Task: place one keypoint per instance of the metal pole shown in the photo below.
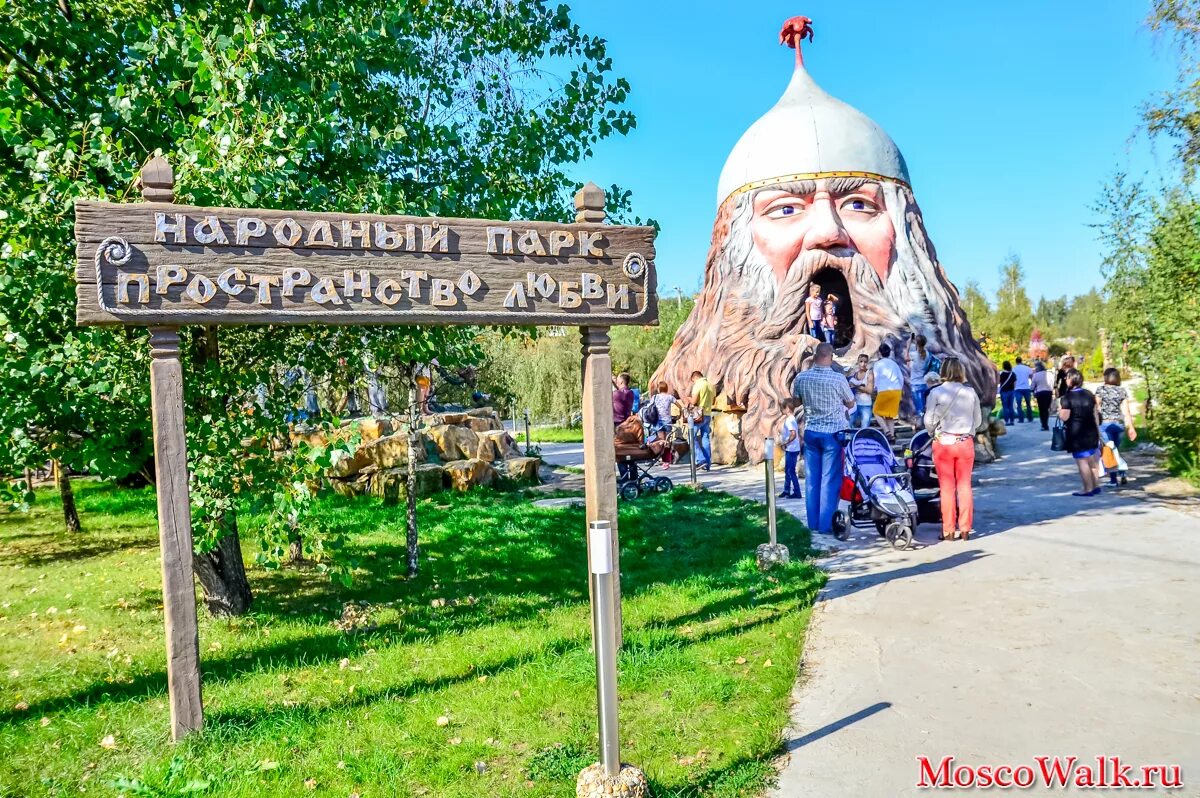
(604, 614)
(692, 449)
(527, 429)
(769, 462)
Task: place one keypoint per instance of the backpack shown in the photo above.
(650, 414)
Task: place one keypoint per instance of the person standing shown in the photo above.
(814, 312)
(889, 385)
(829, 321)
(952, 417)
(1079, 410)
(1116, 419)
(789, 439)
(1065, 364)
(622, 399)
(1043, 392)
(862, 383)
(920, 362)
(826, 397)
(1008, 390)
(700, 405)
(665, 406)
(1024, 377)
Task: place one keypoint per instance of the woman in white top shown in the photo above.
(1043, 391)
(952, 415)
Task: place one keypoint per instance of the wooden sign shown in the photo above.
(154, 263)
(163, 265)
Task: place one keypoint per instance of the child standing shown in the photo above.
(814, 312)
(829, 324)
(789, 439)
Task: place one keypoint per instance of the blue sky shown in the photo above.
(1011, 117)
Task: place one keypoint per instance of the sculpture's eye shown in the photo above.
(860, 205)
(784, 211)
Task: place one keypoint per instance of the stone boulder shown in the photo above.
(387, 452)
(466, 474)
(431, 478)
(523, 469)
(371, 429)
(454, 443)
(495, 445)
(484, 424)
(391, 484)
(727, 446)
(446, 418)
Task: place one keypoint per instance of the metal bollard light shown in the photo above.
(527, 439)
(604, 614)
(769, 462)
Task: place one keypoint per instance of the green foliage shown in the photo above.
(1153, 271)
(1152, 265)
(493, 634)
(1012, 320)
(1176, 113)
(542, 372)
(640, 350)
(449, 107)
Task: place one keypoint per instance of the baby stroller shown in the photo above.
(919, 459)
(635, 458)
(876, 489)
(636, 479)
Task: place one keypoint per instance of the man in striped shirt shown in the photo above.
(826, 397)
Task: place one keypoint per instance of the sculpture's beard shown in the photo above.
(747, 331)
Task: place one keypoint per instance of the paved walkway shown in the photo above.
(1065, 626)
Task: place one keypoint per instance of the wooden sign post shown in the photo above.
(161, 265)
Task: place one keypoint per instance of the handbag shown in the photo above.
(1058, 437)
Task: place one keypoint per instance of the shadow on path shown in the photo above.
(837, 725)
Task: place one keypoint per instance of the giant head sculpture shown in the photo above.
(814, 193)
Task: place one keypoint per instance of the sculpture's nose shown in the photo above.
(825, 229)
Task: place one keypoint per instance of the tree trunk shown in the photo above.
(223, 578)
(70, 513)
(221, 572)
(410, 497)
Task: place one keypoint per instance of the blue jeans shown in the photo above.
(861, 416)
(829, 333)
(1113, 431)
(822, 480)
(815, 330)
(791, 480)
(1006, 401)
(1025, 396)
(703, 438)
(920, 391)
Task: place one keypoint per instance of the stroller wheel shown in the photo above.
(663, 484)
(899, 535)
(630, 490)
(881, 526)
(841, 527)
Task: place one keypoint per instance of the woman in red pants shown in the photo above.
(952, 415)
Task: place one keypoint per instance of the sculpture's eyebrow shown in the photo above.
(801, 188)
(844, 185)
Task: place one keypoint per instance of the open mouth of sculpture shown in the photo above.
(833, 281)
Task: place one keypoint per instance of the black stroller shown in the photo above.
(919, 459)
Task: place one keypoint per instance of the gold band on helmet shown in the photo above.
(795, 178)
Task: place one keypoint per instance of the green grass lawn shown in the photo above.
(493, 636)
(552, 435)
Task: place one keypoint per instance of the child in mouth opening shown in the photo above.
(829, 326)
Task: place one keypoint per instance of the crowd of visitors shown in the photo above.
(826, 401)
